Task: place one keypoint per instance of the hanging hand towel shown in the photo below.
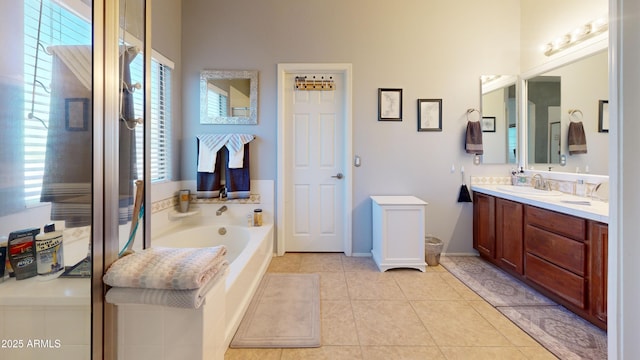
(208, 183)
(235, 145)
(237, 179)
(473, 139)
(577, 138)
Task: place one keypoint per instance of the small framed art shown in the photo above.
(603, 116)
(76, 114)
(389, 104)
(488, 124)
(429, 114)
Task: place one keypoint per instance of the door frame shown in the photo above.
(284, 145)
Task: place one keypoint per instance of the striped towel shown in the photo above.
(210, 144)
(186, 299)
(167, 268)
(236, 149)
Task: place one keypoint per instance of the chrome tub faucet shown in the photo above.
(221, 210)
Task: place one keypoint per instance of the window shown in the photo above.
(160, 117)
(216, 101)
(59, 27)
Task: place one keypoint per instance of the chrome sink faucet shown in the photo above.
(539, 182)
(221, 210)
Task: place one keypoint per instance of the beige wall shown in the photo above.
(545, 20)
(166, 34)
(435, 49)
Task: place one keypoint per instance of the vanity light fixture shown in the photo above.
(577, 36)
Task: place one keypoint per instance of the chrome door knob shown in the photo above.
(338, 176)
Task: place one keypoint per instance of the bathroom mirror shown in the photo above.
(228, 97)
(499, 112)
(580, 85)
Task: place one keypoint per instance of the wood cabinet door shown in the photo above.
(484, 224)
(599, 238)
(509, 235)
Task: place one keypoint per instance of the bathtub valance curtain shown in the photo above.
(233, 150)
(68, 160)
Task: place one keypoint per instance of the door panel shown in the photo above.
(316, 121)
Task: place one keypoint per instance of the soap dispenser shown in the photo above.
(580, 188)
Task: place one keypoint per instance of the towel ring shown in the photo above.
(471, 111)
(573, 115)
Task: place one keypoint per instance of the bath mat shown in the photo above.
(560, 331)
(284, 313)
(492, 284)
(563, 333)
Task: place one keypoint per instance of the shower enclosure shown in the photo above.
(74, 109)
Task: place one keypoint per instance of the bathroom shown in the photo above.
(433, 50)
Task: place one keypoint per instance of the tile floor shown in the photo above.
(399, 314)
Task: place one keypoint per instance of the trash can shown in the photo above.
(432, 250)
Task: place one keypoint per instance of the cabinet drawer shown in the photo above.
(564, 252)
(567, 225)
(563, 283)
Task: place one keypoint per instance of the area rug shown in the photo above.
(284, 313)
(560, 331)
(492, 284)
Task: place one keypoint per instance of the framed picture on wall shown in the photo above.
(389, 104)
(488, 124)
(603, 116)
(429, 114)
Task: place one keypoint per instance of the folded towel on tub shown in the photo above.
(167, 268)
(187, 299)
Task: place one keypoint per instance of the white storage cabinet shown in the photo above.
(398, 232)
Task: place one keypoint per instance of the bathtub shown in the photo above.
(249, 252)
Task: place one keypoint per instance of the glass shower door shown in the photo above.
(46, 177)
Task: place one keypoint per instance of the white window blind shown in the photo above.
(160, 117)
(59, 27)
(216, 101)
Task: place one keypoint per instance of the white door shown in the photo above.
(315, 167)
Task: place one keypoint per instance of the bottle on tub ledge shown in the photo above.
(49, 253)
(257, 217)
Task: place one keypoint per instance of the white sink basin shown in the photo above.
(527, 190)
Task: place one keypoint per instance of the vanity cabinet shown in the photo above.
(561, 255)
(598, 236)
(497, 229)
(555, 253)
(484, 225)
(509, 236)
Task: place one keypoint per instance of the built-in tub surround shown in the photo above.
(203, 333)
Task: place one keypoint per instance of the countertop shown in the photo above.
(397, 200)
(595, 210)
